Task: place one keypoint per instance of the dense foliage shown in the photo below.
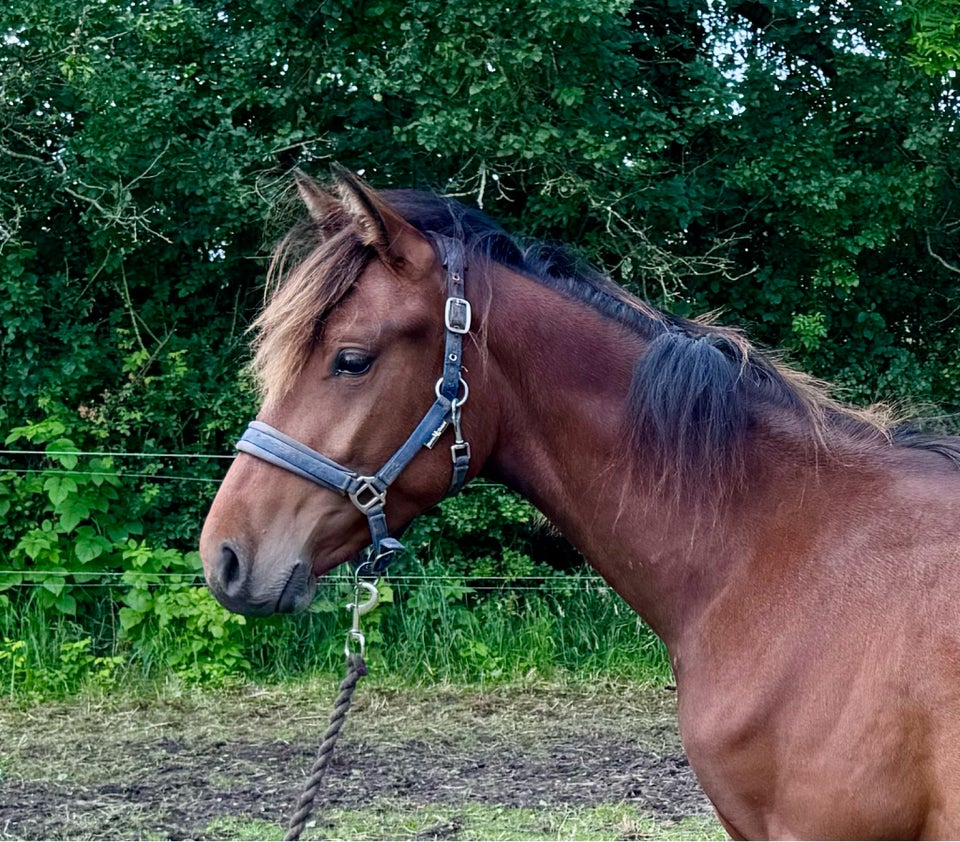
(793, 164)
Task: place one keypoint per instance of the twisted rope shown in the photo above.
(356, 669)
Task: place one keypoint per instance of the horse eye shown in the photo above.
(353, 362)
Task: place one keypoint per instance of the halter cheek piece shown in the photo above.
(369, 493)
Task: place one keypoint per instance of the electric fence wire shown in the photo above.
(485, 583)
(105, 454)
(40, 577)
(477, 483)
(116, 474)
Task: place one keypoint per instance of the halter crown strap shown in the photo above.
(369, 493)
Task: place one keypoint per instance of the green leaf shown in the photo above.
(72, 513)
(62, 448)
(129, 618)
(89, 548)
(66, 603)
(59, 488)
(41, 432)
(38, 545)
(53, 584)
(138, 600)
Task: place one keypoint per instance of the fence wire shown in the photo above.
(122, 474)
(111, 579)
(105, 454)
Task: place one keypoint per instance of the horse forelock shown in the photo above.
(308, 276)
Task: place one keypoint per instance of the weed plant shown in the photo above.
(424, 631)
(93, 592)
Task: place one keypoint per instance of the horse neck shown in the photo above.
(562, 374)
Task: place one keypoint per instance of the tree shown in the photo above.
(787, 162)
(840, 167)
(936, 34)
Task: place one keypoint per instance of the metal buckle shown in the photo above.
(377, 496)
(379, 557)
(458, 449)
(458, 315)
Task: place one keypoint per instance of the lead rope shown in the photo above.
(356, 669)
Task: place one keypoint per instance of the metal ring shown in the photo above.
(457, 400)
(359, 573)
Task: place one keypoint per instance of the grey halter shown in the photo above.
(369, 493)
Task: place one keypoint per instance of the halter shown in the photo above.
(369, 493)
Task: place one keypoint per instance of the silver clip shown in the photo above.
(455, 406)
(460, 447)
(355, 637)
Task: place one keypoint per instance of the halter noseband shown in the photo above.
(369, 493)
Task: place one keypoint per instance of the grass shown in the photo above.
(576, 625)
(535, 760)
(435, 631)
(399, 820)
(152, 743)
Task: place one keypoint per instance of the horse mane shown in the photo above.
(909, 434)
(697, 392)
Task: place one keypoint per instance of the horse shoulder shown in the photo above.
(851, 674)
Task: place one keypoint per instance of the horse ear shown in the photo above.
(325, 210)
(398, 243)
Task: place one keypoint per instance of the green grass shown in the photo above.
(424, 632)
(214, 762)
(399, 820)
(574, 625)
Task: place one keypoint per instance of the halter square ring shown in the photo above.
(368, 486)
(458, 315)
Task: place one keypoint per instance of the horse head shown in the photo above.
(359, 360)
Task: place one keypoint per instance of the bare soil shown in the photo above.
(167, 768)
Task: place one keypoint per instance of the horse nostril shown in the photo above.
(231, 571)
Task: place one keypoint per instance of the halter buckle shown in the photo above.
(458, 315)
(368, 486)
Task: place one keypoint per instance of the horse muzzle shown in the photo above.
(261, 590)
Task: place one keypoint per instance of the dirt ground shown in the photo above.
(171, 767)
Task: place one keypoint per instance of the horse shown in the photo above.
(799, 558)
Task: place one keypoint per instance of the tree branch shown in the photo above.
(949, 266)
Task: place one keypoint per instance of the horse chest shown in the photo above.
(779, 761)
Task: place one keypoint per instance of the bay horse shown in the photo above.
(800, 559)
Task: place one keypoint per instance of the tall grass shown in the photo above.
(574, 625)
(426, 630)
(43, 654)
